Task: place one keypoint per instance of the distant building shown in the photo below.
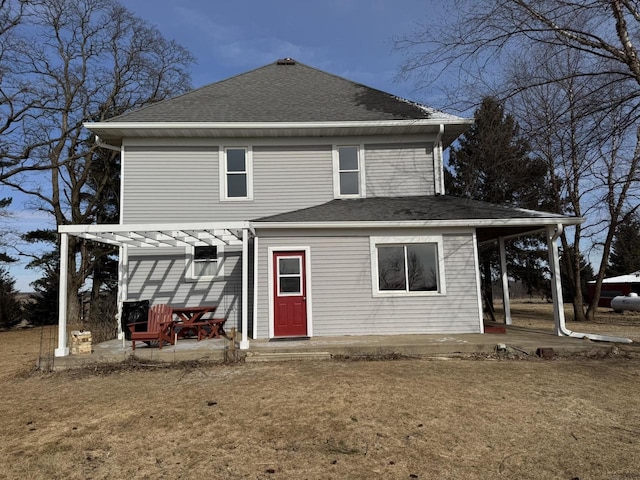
(614, 286)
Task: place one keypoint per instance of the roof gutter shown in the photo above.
(105, 126)
(466, 223)
(101, 144)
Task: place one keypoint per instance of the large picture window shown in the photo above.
(348, 171)
(413, 266)
(236, 174)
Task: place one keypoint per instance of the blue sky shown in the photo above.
(350, 38)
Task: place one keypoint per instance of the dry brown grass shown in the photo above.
(566, 419)
(539, 316)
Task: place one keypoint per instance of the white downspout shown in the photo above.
(556, 291)
(438, 163)
(63, 349)
(506, 302)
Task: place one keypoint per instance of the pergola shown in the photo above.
(152, 236)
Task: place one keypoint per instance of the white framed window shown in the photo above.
(407, 266)
(348, 171)
(236, 173)
(204, 262)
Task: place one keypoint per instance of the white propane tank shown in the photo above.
(630, 302)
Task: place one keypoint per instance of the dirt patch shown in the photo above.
(407, 418)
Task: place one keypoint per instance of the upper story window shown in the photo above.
(204, 262)
(407, 266)
(236, 173)
(348, 171)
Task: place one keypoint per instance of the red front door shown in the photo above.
(290, 302)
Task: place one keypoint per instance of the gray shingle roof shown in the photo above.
(284, 92)
(431, 207)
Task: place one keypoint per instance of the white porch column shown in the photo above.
(505, 282)
(244, 343)
(63, 349)
(123, 284)
(556, 283)
(255, 287)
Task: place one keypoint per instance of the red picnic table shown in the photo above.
(191, 322)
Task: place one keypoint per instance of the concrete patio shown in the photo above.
(516, 339)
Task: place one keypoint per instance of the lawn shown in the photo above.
(446, 419)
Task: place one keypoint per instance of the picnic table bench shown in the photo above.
(191, 322)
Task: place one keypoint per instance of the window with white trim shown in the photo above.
(348, 171)
(407, 266)
(204, 262)
(236, 175)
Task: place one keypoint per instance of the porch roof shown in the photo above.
(162, 235)
(490, 220)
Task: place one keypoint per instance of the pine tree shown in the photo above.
(625, 251)
(10, 308)
(493, 163)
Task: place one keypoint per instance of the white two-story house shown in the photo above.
(301, 204)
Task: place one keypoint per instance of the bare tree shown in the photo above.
(82, 60)
(573, 68)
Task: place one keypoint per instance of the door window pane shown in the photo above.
(289, 266)
(290, 285)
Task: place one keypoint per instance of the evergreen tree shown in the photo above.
(10, 308)
(44, 309)
(493, 163)
(625, 251)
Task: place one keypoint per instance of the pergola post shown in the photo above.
(244, 343)
(63, 349)
(123, 284)
(556, 280)
(505, 282)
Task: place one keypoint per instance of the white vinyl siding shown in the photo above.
(159, 275)
(399, 170)
(169, 184)
(343, 303)
(181, 184)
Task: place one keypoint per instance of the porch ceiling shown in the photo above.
(162, 235)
